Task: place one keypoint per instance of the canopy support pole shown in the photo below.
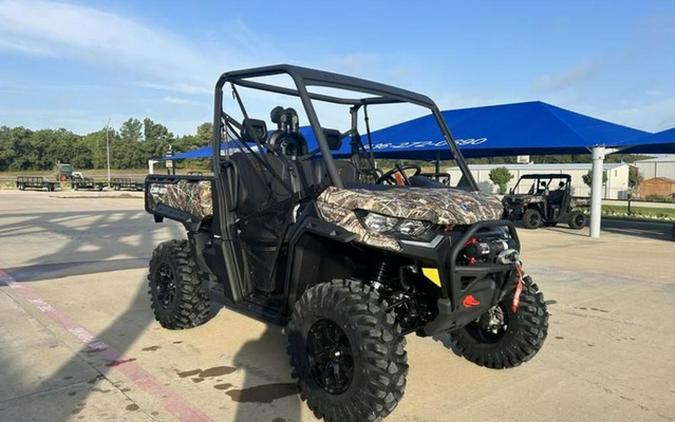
(151, 166)
(599, 152)
(596, 190)
(438, 162)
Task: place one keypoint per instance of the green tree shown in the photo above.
(501, 176)
(155, 131)
(588, 178)
(204, 132)
(634, 178)
(132, 130)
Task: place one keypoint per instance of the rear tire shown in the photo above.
(531, 218)
(177, 296)
(347, 352)
(522, 338)
(577, 220)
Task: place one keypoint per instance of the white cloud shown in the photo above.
(565, 79)
(83, 33)
(175, 87)
(651, 116)
(182, 101)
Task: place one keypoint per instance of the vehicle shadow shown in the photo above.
(96, 242)
(645, 229)
(566, 230)
(268, 392)
(100, 242)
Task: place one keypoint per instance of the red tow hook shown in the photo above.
(519, 288)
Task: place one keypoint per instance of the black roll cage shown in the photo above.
(549, 176)
(303, 77)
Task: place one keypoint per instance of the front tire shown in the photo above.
(516, 342)
(347, 352)
(577, 220)
(531, 218)
(177, 296)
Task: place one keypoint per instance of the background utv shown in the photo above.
(334, 249)
(547, 201)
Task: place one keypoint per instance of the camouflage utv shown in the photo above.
(297, 227)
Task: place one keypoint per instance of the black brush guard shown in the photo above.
(484, 286)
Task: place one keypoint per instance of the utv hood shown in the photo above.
(440, 206)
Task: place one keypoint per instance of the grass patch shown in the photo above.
(664, 214)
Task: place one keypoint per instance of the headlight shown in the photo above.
(378, 223)
(412, 228)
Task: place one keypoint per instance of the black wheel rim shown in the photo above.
(491, 327)
(166, 286)
(580, 220)
(534, 220)
(330, 356)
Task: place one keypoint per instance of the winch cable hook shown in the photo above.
(519, 287)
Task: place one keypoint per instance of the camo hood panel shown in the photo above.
(438, 206)
(194, 197)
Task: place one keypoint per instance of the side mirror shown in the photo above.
(334, 138)
(253, 130)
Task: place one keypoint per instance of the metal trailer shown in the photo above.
(87, 183)
(126, 183)
(35, 182)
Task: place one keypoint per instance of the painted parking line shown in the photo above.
(172, 402)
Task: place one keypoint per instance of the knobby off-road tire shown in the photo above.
(524, 336)
(577, 221)
(177, 297)
(357, 321)
(531, 218)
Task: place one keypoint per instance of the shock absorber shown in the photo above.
(384, 274)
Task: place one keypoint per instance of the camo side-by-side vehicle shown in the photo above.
(293, 230)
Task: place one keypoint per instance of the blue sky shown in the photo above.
(78, 64)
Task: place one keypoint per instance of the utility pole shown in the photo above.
(107, 147)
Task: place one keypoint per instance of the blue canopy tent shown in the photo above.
(530, 128)
(203, 152)
(658, 143)
(207, 151)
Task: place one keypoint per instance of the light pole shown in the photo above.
(107, 147)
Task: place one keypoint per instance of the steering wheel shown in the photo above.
(389, 176)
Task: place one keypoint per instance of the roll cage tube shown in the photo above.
(383, 94)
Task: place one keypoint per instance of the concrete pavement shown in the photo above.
(78, 340)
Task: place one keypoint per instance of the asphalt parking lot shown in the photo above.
(78, 340)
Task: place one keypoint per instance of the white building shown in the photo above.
(663, 166)
(615, 188)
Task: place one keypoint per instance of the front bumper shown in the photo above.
(513, 210)
(483, 282)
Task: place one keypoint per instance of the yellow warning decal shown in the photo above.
(432, 274)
